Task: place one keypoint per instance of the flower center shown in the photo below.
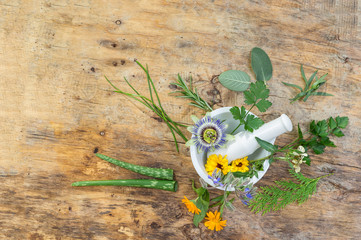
(209, 135)
(219, 166)
(239, 164)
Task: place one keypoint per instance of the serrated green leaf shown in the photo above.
(263, 105)
(293, 85)
(318, 148)
(266, 145)
(342, 122)
(250, 98)
(332, 123)
(235, 80)
(252, 123)
(260, 90)
(261, 64)
(236, 113)
(327, 142)
(338, 133)
(322, 128)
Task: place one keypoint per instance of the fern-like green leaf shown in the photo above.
(277, 197)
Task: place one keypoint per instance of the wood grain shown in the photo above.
(57, 110)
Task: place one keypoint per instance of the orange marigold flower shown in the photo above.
(191, 206)
(214, 221)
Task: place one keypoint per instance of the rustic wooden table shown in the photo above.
(57, 110)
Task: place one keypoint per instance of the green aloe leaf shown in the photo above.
(261, 64)
(235, 80)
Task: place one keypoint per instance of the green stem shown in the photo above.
(147, 171)
(261, 159)
(143, 183)
(241, 123)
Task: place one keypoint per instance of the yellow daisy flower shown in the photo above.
(191, 206)
(217, 162)
(214, 221)
(240, 165)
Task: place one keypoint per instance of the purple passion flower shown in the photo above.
(208, 133)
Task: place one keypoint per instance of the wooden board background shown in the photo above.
(57, 109)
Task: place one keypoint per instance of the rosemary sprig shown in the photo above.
(189, 93)
(152, 105)
(309, 89)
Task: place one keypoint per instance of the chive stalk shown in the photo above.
(159, 173)
(143, 183)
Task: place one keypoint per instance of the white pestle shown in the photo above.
(245, 142)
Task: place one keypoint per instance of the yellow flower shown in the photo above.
(217, 162)
(240, 165)
(214, 221)
(191, 206)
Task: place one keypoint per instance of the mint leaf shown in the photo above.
(263, 105)
(252, 123)
(342, 122)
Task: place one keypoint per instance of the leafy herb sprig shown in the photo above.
(155, 106)
(255, 96)
(320, 132)
(277, 197)
(190, 93)
(310, 88)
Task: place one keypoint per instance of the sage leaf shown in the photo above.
(261, 64)
(235, 80)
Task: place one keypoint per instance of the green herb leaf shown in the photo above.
(338, 133)
(293, 85)
(342, 122)
(263, 105)
(332, 123)
(300, 135)
(274, 198)
(261, 64)
(252, 123)
(235, 80)
(305, 93)
(266, 145)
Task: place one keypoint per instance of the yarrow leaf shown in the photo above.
(274, 198)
